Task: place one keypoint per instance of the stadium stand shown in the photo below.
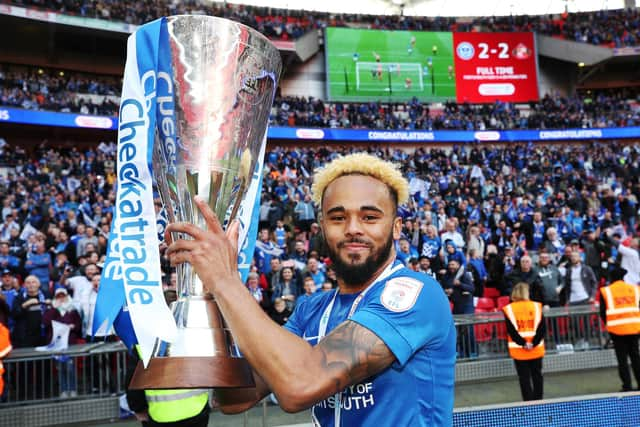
(611, 28)
(273, 23)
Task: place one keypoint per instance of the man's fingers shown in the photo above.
(180, 257)
(184, 227)
(168, 237)
(182, 245)
(233, 232)
(209, 216)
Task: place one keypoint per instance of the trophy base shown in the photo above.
(192, 372)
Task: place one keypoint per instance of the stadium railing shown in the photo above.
(568, 330)
(91, 370)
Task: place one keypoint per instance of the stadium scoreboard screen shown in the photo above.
(375, 65)
(495, 66)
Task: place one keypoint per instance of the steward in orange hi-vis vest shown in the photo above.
(525, 316)
(526, 329)
(5, 349)
(620, 312)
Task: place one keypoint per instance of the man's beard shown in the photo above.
(357, 274)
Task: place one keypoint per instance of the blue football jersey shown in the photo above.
(410, 313)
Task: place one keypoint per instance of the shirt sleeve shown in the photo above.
(407, 313)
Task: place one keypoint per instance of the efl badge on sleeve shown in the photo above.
(401, 293)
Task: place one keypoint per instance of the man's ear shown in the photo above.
(397, 228)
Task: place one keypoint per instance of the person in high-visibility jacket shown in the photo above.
(170, 408)
(5, 349)
(621, 313)
(526, 329)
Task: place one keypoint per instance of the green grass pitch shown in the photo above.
(384, 82)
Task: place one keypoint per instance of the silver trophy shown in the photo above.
(224, 76)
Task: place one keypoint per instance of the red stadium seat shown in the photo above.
(491, 293)
(502, 301)
(563, 326)
(485, 304)
(483, 331)
(501, 331)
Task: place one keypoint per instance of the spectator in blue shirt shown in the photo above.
(478, 270)
(315, 272)
(405, 251)
(7, 260)
(264, 251)
(38, 263)
(452, 253)
(10, 293)
(305, 213)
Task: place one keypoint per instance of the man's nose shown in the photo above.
(353, 226)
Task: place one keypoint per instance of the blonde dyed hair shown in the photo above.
(361, 164)
(520, 292)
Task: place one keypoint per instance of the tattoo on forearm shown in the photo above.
(352, 353)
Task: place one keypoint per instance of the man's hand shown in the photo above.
(142, 416)
(30, 302)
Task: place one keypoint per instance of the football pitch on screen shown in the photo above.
(376, 65)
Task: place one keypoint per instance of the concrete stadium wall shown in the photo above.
(306, 79)
(555, 76)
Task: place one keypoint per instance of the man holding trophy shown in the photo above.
(379, 350)
(382, 344)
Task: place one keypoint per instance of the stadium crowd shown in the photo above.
(273, 23)
(612, 28)
(485, 212)
(37, 89)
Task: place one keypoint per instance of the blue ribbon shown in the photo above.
(151, 42)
